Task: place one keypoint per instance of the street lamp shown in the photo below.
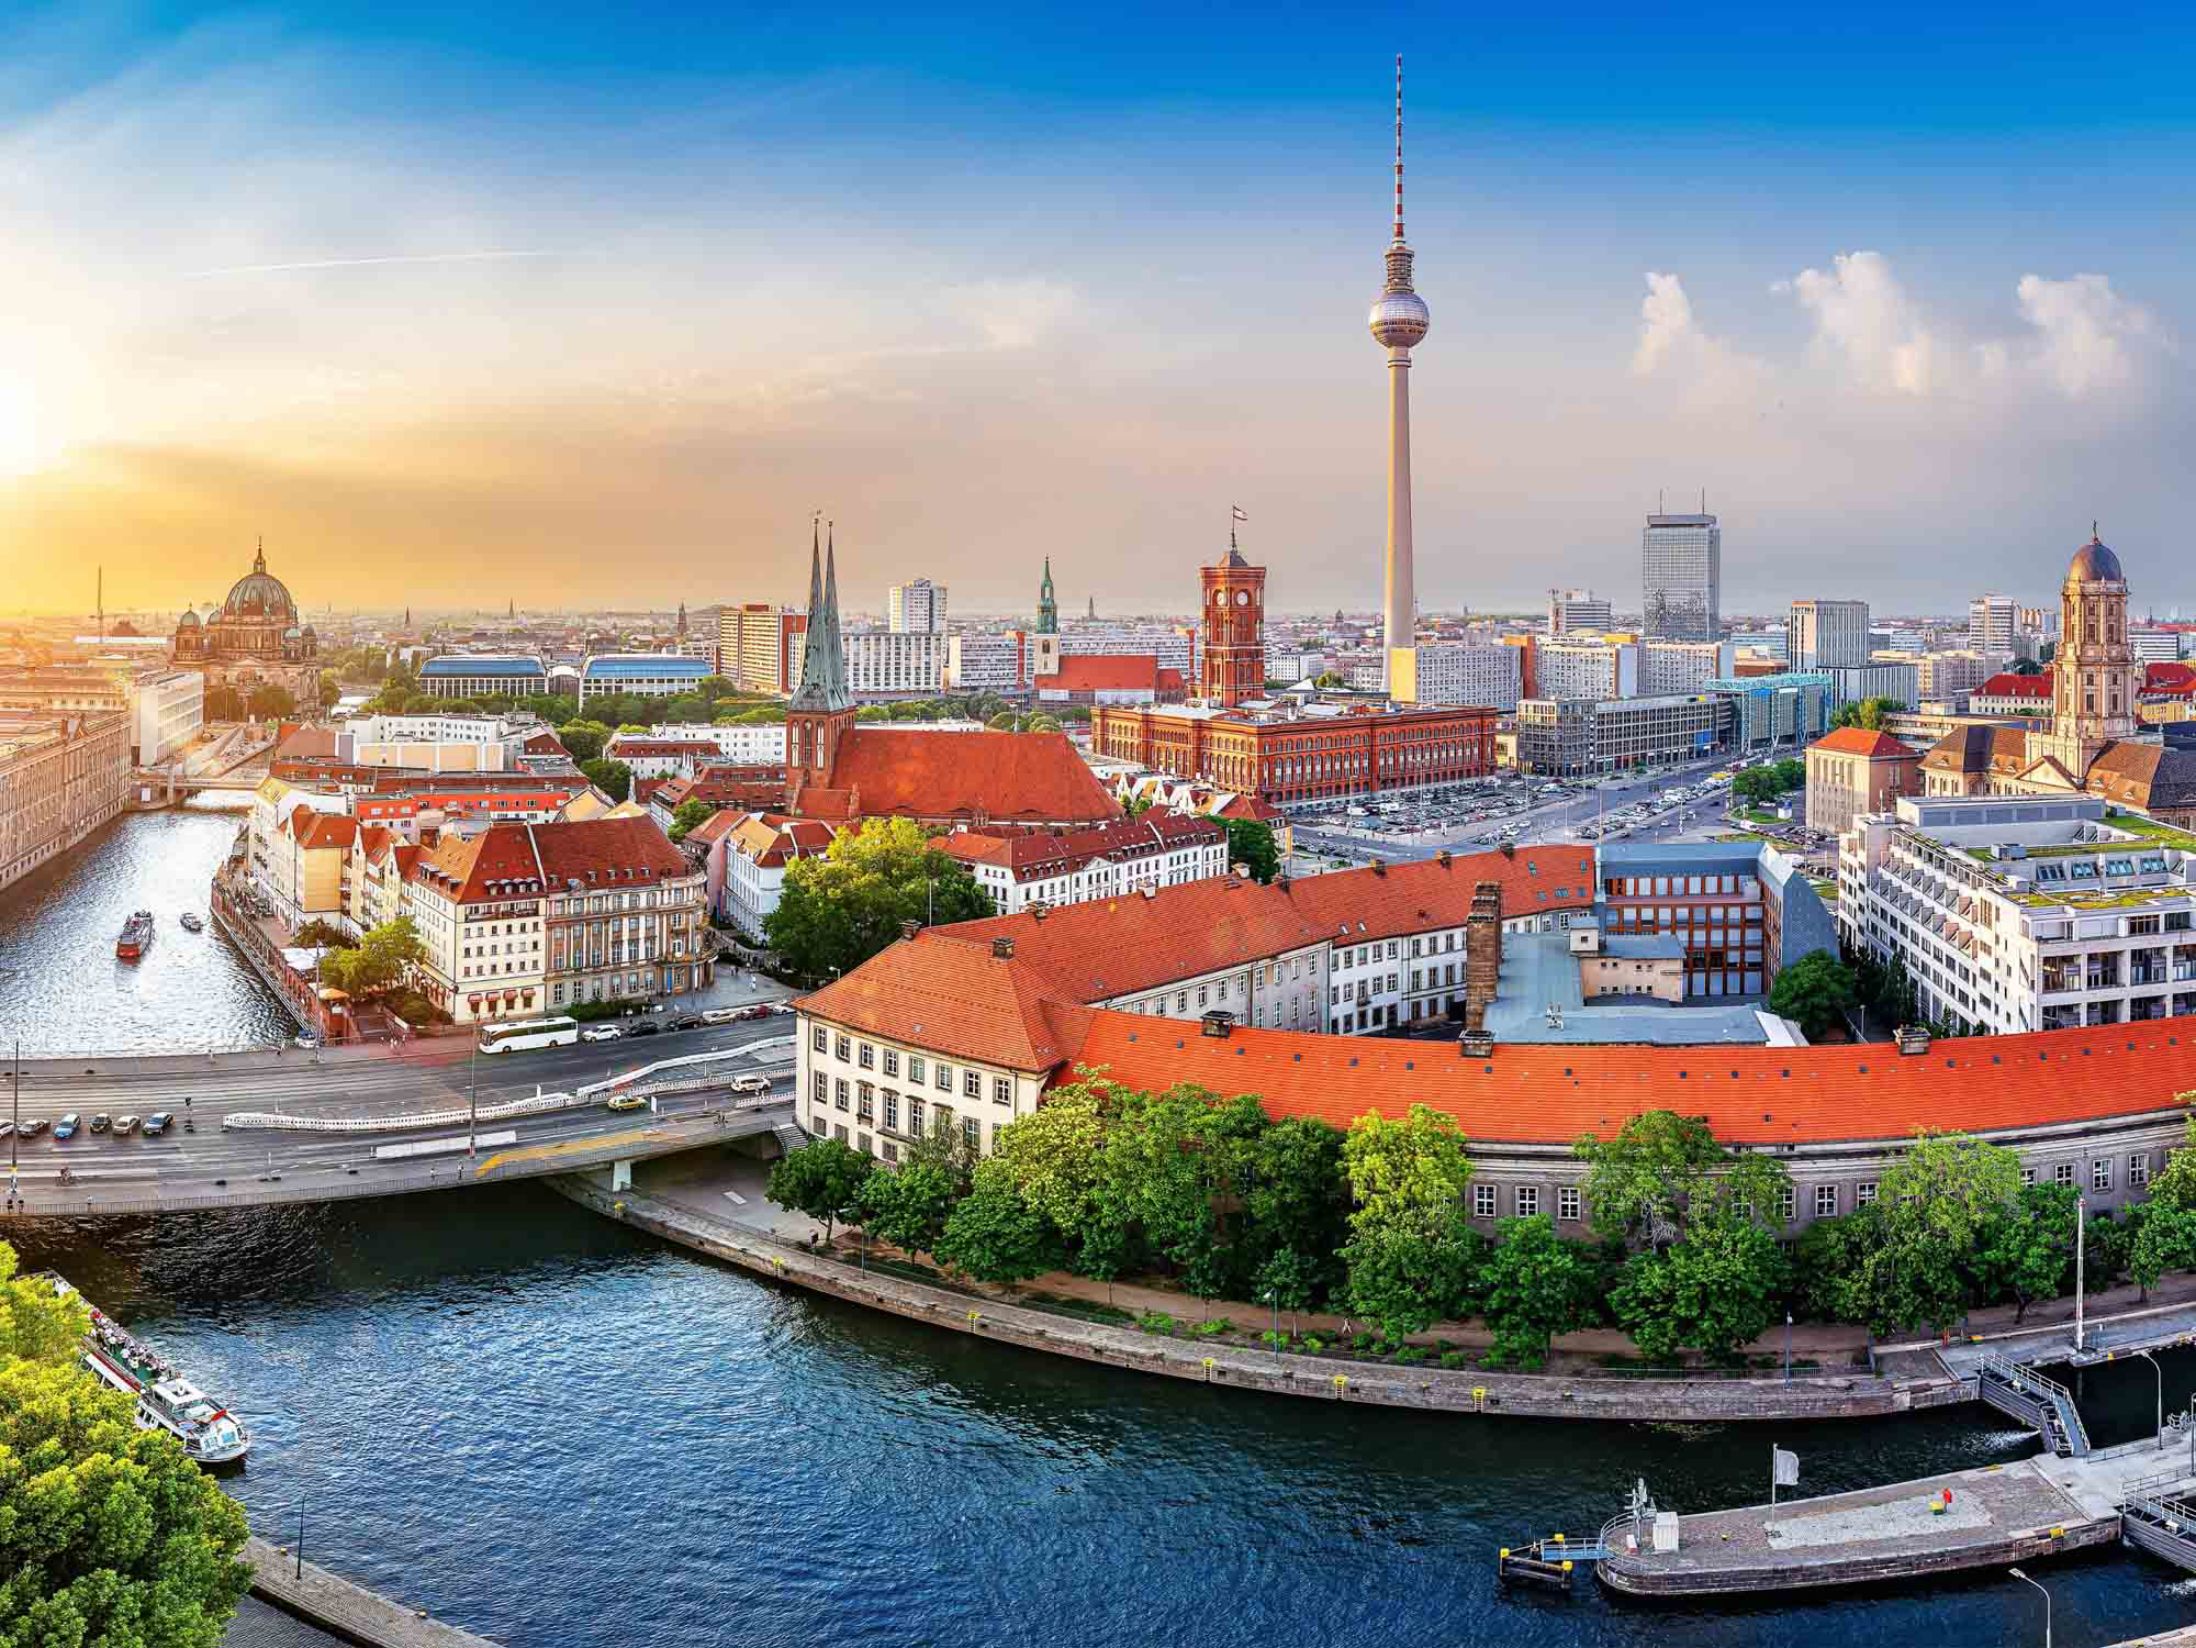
(2160, 1372)
(1273, 1298)
(2025, 1580)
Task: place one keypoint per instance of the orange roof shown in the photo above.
(322, 829)
(1353, 905)
(1031, 777)
(959, 1000)
(1110, 947)
(1860, 741)
(1112, 671)
(2015, 686)
(528, 860)
(1531, 1094)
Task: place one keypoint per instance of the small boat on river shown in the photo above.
(137, 936)
(166, 1400)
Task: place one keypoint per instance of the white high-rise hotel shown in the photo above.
(1399, 320)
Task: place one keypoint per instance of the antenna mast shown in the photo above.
(1398, 145)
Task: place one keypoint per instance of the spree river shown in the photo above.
(559, 1432)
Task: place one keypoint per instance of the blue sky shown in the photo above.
(994, 282)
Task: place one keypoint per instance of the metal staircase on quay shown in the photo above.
(2048, 1406)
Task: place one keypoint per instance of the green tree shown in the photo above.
(1865, 713)
(1536, 1285)
(1756, 786)
(1053, 1155)
(382, 958)
(224, 703)
(996, 1236)
(2175, 1185)
(822, 1179)
(1662, 1171)
(2027, 1246)
(1815, 992)
(2166, 1242)
(1715, 1291)
(331, 689)
(613, 778)
(1251, 842)
(1412, 1257)
(1938, 1200)
(908, 1206)
(1290, 1280)
(1297, 1200)
(689, 817)
(840, 909)
(109, 1535)
(268, 702)
(583, 740)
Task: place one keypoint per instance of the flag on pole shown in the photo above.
(1786, 1467)
(1239, 515)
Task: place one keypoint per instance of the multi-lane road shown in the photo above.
(206, 1164)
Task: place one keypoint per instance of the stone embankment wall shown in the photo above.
(1853, 1396)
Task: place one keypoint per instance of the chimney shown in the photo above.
(1219, 1022)
(1379, 866)
(1037, 910)
(1482, 953)
(1509, 849)
(1442, 858)
(1003, 947)
(909, 928)
(1241, 872)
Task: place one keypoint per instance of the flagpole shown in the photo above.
(1772, 1476)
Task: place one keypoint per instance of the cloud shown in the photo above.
(1867, 326)
(1673, 344)
(2087, 334)
(1012, 314)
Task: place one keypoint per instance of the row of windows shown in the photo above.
(868, 1056)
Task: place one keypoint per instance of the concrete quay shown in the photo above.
(346, 1611)
(743, 1237)
(1999, 1515)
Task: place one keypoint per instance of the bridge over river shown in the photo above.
(294, 1126)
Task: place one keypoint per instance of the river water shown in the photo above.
(559, 1432)
(63, 991)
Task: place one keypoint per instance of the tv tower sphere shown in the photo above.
(1399, 319)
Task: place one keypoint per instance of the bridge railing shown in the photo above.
(270, 1120)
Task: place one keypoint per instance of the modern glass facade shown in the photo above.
(1681, 574)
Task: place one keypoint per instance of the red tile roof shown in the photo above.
(2015, 686)
(2169, 679)
(1860, 741)
(1350, 906)
(960, 1001)
(323, 829)
(1749, 1095)
(1027, 777)
(1037, 854)
(1104, 672)
(528, 860)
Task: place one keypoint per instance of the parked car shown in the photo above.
(750, 1084)
(684, 1021)
(124, 1126)
(65, 1128)
(157, 1123)
(625, 1101)
(101, 1122)
(32, 1128)
(307, 1040)
(643, 1027)
(600, 1032)
(7, 1128)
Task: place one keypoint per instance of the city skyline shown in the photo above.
(294, 279)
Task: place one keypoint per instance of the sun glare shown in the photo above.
(23, 447)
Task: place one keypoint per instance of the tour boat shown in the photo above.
(166, 1400)
(190, 923)
(137, 936)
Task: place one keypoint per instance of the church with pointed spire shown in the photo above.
(839, 771)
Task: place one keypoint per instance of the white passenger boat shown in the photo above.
(166, 1400)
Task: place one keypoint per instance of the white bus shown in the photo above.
(524, 1033)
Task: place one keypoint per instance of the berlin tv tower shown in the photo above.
(1399, 319)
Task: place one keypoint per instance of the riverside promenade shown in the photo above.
(749, 1233)
(346, 1611)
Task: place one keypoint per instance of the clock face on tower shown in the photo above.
(1242, 597)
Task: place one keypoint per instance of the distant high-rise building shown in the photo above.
(1048, 609)
(759, 646)
(1577, 609)
(1992, 623)
(1399, 321)
(1828, 634)
(917, 608)
(1681, 577)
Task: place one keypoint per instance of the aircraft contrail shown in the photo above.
(361, 263)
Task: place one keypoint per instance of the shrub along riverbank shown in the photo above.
(1215, 1199)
